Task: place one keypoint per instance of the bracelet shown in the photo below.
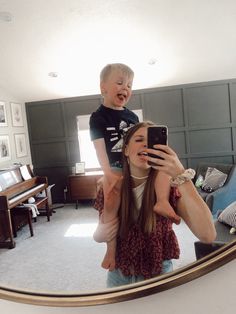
(187, 175)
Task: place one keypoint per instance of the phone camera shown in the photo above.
(163, 131)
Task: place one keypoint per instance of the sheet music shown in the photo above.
(25, 173)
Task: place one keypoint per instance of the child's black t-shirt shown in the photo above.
(111, 125)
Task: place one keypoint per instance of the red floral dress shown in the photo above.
(141, 253)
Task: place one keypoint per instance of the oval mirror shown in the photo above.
(62, 256)
(95, 294)
(178, 277)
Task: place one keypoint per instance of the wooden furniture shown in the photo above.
(16, 187)
(43, 206)
(26, 212)
(83, 186)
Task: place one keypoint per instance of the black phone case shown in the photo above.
(157, 135)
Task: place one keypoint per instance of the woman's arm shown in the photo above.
(190, 206)
(195, 212)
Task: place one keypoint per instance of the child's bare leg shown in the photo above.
(109, 258)
(162, 206)
(108, 215)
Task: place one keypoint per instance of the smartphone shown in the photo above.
(156, 135)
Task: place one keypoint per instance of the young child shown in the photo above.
(107, 127)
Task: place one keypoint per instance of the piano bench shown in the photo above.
(43, 207)
(21, 211)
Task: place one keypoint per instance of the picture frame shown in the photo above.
(16, 113)
(5, 150)
(3, 115)
(20, 143)
(80, 167)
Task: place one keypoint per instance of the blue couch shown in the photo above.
(218, 200)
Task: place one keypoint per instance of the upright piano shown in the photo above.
(17, 185)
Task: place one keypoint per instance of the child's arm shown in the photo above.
(99, 145)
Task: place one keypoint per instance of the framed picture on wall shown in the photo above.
(3, 116)
(80, 167)
(5, 151)
(16, 113)
(20, 142)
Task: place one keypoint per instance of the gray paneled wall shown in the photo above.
(201, 119)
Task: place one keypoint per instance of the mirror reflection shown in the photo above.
(146, 243)
(62, 254)
(65, 256)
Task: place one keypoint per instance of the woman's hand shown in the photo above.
(170, 164)
(106, 232)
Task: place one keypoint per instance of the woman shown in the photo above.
(146, 242)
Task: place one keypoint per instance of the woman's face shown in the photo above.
(135, 151)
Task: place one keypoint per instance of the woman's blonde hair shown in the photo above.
(128, 213)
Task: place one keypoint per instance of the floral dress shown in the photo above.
(142, 253)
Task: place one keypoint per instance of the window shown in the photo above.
(87, 150)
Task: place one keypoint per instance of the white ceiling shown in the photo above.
(191, 40)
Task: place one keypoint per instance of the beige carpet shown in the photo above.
(62, 255)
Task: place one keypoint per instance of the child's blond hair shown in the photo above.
(106, 71)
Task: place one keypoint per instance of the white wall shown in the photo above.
(213, 293)
(11, 130)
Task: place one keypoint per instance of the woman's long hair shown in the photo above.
(128, 213)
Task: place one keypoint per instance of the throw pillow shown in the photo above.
(214, 179)
(228, 215)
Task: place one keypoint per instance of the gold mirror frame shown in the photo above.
(124, 293)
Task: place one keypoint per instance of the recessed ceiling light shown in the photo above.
(152, 61)
(5, 16)
(53, 74)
